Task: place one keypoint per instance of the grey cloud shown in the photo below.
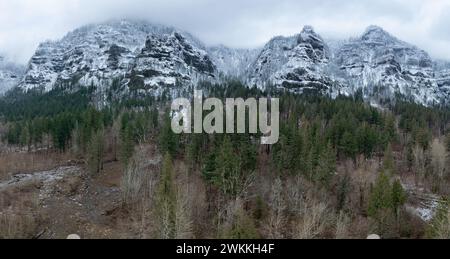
(441, 28)
(237, 23)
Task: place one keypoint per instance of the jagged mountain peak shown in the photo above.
(384, 66)
(313, 45)
(375, 34)
(152, 57)
(308, 35)
(293, 63)
(140, 54)
(126, 32)
(375, 29)
(308, 31)
(377, 62)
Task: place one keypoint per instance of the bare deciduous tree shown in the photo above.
(277, 217)
(438, 159)
(137, 182)
(183, 214)
(342, 226)
(314, 220)
(418, 163)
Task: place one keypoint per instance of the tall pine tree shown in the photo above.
(95, 152)
(389, 161)
(447, 140)
(127, 139)
(168, 140)
(326, 167)
(398, 197)
(380, 199)
(228, 169)
(166, 201)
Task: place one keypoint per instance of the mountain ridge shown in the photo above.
(376, 62)
(154, 58)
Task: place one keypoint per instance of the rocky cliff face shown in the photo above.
(140, 55)
(379, 60)
(154, 58)
(169, 61)
(295, 63)
(376, 62)
(442, 69)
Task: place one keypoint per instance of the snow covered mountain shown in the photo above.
(233, 62)
(141, 55)
(169, 60)
(382, 64)
(154, 58)
(442, 69)
(10, 74)
(376, 62)
(294, 63)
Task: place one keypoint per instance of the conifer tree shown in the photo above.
(77, 142)
(277, 158)
(380, 198)
(13, 134)
(248, 154)
(193, 150)
(228, 169)
(367, 140)
(343, 191)
(410, 156)
(62, 126)
(389, 162)
(447, 140)
(126, 143)
(95, 152)
(261, 208)
(166, 201)
(308, 169)
(439, 227)
(422, 137)
(385, 201)
(390, 128)
(326, 166)
(25, 137)
(243, 227)
(168, 140)
(348, 145)
(37, 131)
(398, 197)
(209, 168)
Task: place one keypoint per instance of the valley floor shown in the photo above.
(53, 204)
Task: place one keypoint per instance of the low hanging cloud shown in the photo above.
(236, 23)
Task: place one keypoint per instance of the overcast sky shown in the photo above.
(236, 23)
